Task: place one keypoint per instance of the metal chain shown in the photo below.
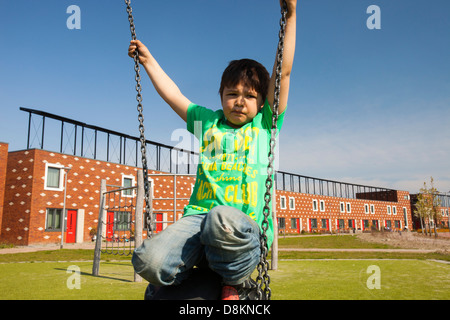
(148, 210)
(263, 278)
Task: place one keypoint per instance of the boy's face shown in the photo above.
(240, 104)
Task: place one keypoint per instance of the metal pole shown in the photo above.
(330, 226)
(98, 242)
(174, 198)
(43, 129)
(64, 206)
(448, 213)
(29, 127)
(275, 233)
(139, 211)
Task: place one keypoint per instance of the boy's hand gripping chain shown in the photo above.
(263, 276)
(148, 210)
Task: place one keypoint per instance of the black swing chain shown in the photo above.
(148, 210)
(263, 278)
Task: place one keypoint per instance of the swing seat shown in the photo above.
(202, 284)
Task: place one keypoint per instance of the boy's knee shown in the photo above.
(148, 263)
(230, 220)
(231, 227)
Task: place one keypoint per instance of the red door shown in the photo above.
(159, 219)
(109, 226)
(71, 230)
(298, 225)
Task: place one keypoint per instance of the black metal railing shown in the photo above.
(297, 183)
(77, 138)
(81, 139)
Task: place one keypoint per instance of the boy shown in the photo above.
(222, 220)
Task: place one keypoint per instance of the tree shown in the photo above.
(435, 204)
(422, 211)
(427, 206)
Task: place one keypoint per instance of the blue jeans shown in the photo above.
(226, 237)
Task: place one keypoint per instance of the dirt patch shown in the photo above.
(408, 240)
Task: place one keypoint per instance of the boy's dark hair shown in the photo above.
(249, 72)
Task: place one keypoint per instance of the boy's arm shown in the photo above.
(165, 87)
(288, 58)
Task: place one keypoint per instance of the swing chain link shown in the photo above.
(148, 210)
(263, 278)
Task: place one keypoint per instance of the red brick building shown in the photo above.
(3, 163)
(32, 186)
(299, 212)
(33, 183)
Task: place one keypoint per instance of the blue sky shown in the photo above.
(365, 106)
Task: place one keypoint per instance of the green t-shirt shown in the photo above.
(232, 167)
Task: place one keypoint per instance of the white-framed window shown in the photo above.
(291, 203)
(313, 223)
(281, 223)
(53, 219)
(322, 205)
(389, 210)
(282, 202)
(128, 181)
(122, 220)
(151, 183)
(342, 207)
(405, 216)
(314, 203)
(54, 177)
(294, 224)
(394, 210)
(349, 207)
(366, 208)
(372, 209)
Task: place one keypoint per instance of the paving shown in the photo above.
(86, 245)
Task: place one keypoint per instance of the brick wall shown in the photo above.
(3, 164)
(330, 209)
(25, 217)
(17, 201)
(163, 191)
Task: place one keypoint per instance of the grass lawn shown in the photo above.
(331, 242)
(48, 280)
(347, 280)
(294, 280)
(312, 275)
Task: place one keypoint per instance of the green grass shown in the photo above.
(330, 242)
(294, 280)
(48, 281)
(57, 255)
(347, 280)
(313, 275)
(362, 255)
